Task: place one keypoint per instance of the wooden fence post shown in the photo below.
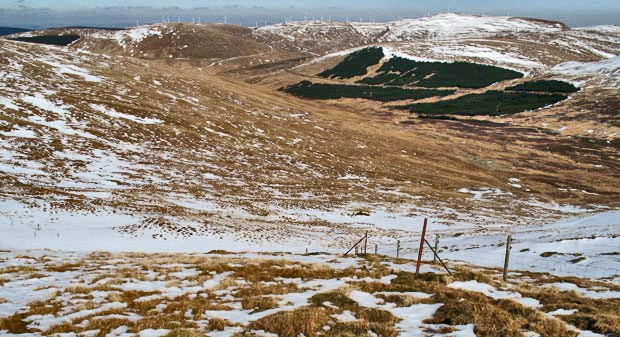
(397, 249)
(375, 249)
(417, 267)
(365, 242)
(356, 251)
(507, 257)
(355, 246)
(436, 245)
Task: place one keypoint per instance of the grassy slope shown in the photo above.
(347, 142)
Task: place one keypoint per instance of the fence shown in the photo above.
(518, 260)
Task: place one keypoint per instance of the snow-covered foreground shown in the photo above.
(567, 247)
(45, 292)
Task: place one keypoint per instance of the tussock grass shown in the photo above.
(338, 298)
(19, 270)
(87, 290)
(130, 296)
(218, 324)
(105, 326)
(162, 321)
(580, 282)
(462, 307)
(144, 307)
(65, 327)
(185, 333)
(64, 267)
(307, 321)
(14, 324)
(35, 276)
(269, 289)
(259, 303)
(597, 315)
(44, 308)
(404, 300)
(322, 305)
(198, 305)
(467, 275)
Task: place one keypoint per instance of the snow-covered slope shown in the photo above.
(605, 73)
(529, 45)
(452, 26)
(448, 25)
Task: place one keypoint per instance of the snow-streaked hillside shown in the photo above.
(435, 27)
(529, 45)
(601, 74)
(200, 151)
(174, 40)
(451, 26)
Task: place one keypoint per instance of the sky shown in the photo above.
(122, 13)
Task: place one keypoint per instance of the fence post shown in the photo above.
(417, 267)
(436, 245)
(375, 249)
(397, 249)
(356, 251)
(365, 242)
(507, 257)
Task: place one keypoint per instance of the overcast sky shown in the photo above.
(73, 4)
(115, 13)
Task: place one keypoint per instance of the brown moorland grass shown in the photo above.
(308, 320)
(259, 303)
(218, 324)
(162, 321)
(259, 289)
(464, 307)
(14, 324)
(456, 163)
(598, 315)
(185, 333)
(184, 315)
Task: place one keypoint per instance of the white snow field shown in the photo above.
(566, 247)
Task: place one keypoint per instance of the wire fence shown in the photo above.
(520, 261)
